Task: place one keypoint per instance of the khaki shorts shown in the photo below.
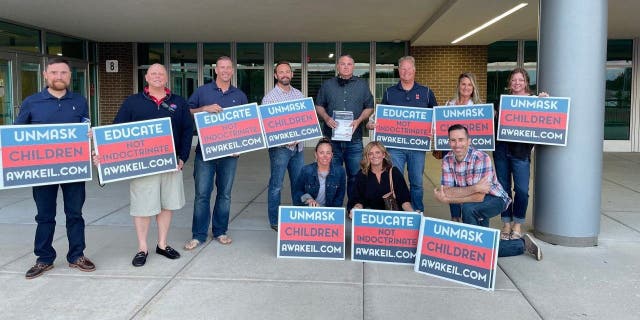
(156, 192)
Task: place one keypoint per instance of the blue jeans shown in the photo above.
(506, 167)
(348, 153)
(45, 197)
(415, 167)
(509, 248)
(223, 171)
(282, 159)
(479, 213)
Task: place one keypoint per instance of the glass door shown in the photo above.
(30, 78)
(79, 77)
(6, 90)
(184, 81)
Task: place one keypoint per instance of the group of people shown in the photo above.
(365, 174)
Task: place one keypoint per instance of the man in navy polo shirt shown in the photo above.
(214, 97)
(159, 194)
(351, 94)
(56, 104)
(411, 94)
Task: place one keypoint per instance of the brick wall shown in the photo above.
(114, 87)
(439, 67)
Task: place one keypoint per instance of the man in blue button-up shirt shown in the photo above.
(56, 104)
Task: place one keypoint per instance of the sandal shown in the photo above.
(505, 233)
(224, 239)
(515, 235)
(191, 244)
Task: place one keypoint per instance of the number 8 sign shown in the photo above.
(112, 65)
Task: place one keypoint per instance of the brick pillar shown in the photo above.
(438, 67)
(114, 86)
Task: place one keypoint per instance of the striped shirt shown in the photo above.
(468, 172)
(278, 95)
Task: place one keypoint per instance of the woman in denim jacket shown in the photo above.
(320, 184)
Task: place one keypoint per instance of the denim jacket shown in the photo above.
(308, 184)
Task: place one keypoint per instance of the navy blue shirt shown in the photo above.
(44, 108)
(354, 96)
(418, 96)
(141, 106)
(210, 93)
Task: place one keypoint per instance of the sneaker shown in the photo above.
(191, 244)
(38, 269)
(83, 264)
(531, 247)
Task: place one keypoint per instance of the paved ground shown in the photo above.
(246, 281)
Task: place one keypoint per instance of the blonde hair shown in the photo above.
(475, 95)
(365, 164)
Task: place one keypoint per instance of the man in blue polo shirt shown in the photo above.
(350, 94)
(214, 97)
(159, 194)
(411, 94)
(56, 104)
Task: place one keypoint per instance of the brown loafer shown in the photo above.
(83, 264)
(37, 270)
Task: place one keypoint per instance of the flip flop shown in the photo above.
(224, 239)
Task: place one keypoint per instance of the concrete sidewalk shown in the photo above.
(246, 281)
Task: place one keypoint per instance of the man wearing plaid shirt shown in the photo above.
(283, 157)
(470, 185)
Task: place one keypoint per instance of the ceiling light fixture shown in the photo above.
(490, 22)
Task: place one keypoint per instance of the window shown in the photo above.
(502, 57)
(321, 65)
(19, 38)
(250, 70)
(531, 63)
(59, 45)
(184, 68)
(387, 55)
(617, 115)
